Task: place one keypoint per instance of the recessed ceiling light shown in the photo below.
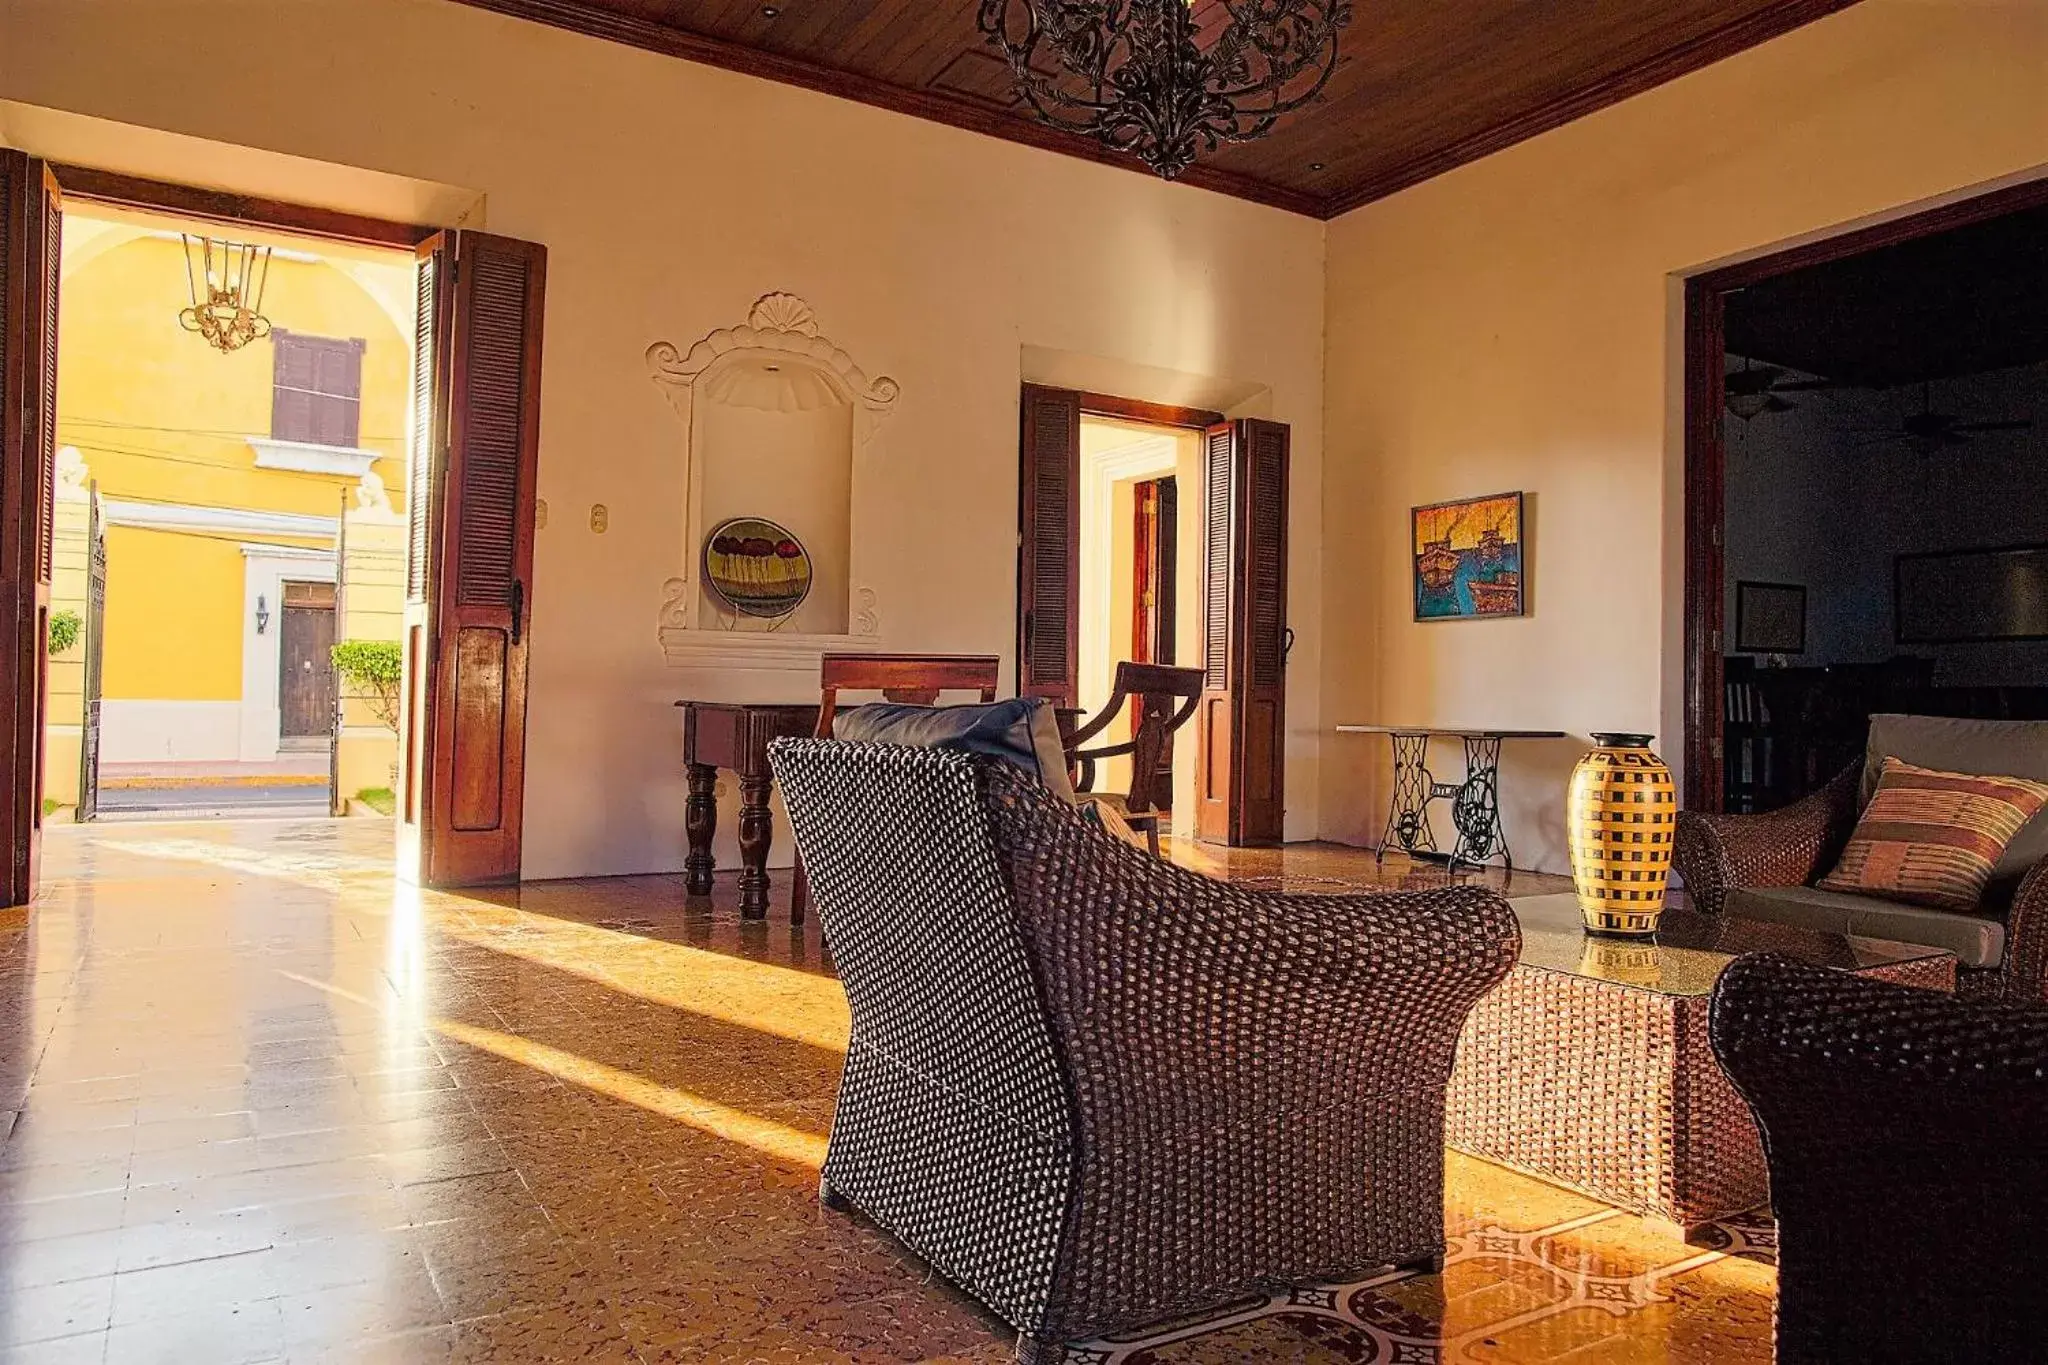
(769, 11)
(1315, 165)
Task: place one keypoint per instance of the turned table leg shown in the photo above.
(700, 823)
(757, 831)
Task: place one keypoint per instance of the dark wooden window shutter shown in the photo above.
(1049, 545)
(316, 392)
(31, 255)
(1242, 717)
(472, 506)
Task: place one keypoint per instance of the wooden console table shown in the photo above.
(735, 736)
(1475, 802)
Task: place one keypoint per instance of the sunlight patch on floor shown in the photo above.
(801, 1007)
(708, 1116)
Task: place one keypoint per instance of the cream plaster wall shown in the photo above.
(670, 196)
(1515, 324)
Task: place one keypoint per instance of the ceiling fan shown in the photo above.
(1928, 431)
(1755, 389)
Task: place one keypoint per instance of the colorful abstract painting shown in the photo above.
(1468, 558)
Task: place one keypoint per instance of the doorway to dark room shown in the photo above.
(1867, 526)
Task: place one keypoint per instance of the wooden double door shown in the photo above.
(1241, 720)
(470, 505)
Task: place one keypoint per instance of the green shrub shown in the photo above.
(64, 630)
(375, 668)
(379, 799)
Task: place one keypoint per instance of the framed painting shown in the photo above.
(1467, 558)
(1964, 596)
(1770, 618)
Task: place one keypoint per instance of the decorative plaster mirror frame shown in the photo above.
(781, 328)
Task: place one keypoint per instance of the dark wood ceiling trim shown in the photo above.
(591, 21)
(1757, 27)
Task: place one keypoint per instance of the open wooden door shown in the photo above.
(470, 563)
(94, 681)
(1241, 721)
(31, 252)
(1049, 547)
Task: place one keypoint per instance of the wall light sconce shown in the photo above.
(262, 614)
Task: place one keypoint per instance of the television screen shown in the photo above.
(1953, 596)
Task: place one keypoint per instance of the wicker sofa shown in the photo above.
(1907, 1137)
(1096, 1091)
(1765, 866)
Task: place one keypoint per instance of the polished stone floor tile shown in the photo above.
(260, 1103)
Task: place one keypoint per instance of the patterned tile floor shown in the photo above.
(262, 1104)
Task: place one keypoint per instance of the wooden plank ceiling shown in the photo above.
(1422, 85)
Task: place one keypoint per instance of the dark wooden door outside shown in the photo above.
(305, 667)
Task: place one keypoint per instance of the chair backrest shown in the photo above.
(1164, 698)
(901, 856)
(916, 679)
(1892, 1116)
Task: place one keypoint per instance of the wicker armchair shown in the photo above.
(1097, 1091)
(1796, 846)
(1907, 1137)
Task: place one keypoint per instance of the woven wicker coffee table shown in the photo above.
(1589, 1066)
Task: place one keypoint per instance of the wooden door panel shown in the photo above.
(470, 556)
(305, 691)
(1214, 813)
(1244, 630)
(31, 253)
(1262, 719)
(478, 801)
(1049, 546)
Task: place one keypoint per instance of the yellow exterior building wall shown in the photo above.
(162, 424)
(174, 617)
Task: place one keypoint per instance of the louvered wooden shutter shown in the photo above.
(483, 297)
(31, 256)
(1262, 705)
(1218, 471)
(427, 404)
(1049, 545)
(1242, 718)
(316, 389)
(1214, 750)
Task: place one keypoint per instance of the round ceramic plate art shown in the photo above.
(756, 568)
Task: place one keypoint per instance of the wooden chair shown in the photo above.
(913, 679)
(1164, 698)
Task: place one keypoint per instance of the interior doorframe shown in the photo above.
(1201, 422)
(1706, 451)
(91, 184)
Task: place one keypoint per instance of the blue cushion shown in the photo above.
(1022, 732)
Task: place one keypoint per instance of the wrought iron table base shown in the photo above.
(1475, 802)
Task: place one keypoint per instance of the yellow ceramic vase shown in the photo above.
(1623, 812)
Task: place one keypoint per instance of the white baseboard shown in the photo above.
(170, 731)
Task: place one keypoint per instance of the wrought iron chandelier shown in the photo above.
(1167, 79)
(227, 280)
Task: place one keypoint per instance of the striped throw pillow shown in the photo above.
(1932, 838)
